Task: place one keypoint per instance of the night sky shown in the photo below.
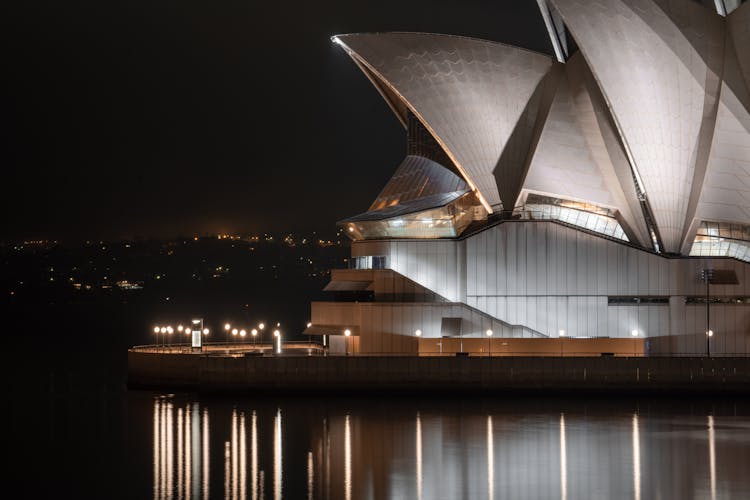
(159, 118)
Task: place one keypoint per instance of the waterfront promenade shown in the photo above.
(250, 372)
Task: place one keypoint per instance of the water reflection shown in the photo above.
(412, 450)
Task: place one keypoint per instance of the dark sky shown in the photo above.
(159, 118)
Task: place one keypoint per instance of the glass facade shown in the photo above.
(719, 239)
(369, 262)
(447, 221)
(584, 215)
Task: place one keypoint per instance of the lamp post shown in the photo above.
(242, 335)
(634, 334)
(277, 334)
(489, 342)
(156, 331)
(170, 331)
(347, 334)
(254, 333)
(261, 326)
(180, 329)
(163, 337)
(707, 275)
(227, 327)
(561, 334)
(234, 335)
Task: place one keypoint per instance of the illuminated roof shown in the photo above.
(647, 113)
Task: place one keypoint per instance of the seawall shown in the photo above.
(361, 374)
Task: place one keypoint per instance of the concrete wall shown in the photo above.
(360, 374)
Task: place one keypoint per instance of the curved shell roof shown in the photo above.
(651, 117)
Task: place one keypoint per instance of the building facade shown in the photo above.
(601, 193)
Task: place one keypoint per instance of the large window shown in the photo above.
(584, 215)
(720, 239)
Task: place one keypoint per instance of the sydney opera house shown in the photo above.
(602, 191)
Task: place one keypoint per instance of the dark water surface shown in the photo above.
(113, 443)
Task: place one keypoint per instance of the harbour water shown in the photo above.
(142, 444)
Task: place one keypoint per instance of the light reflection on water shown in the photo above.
(353, 452)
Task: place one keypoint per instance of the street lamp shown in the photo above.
(156, 331)
(227, 326)
(709, 334)
(243, 333)
(418, 333)
(261, 327)
(234, 334)
(347, 334)
(489, 342)
(634, 334)
(277, 334)
(254, 333)
(197, 340)
(170, 331)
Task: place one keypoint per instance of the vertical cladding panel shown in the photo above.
(481, 260)
(521, 256)
(641, 285)
(387, 317)
(571, 278)
(532, 262)
(541, 250)
(490, 262)
(442, 270)
(512, 259)
(471, 267)
(583, 262)
(502, 260)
